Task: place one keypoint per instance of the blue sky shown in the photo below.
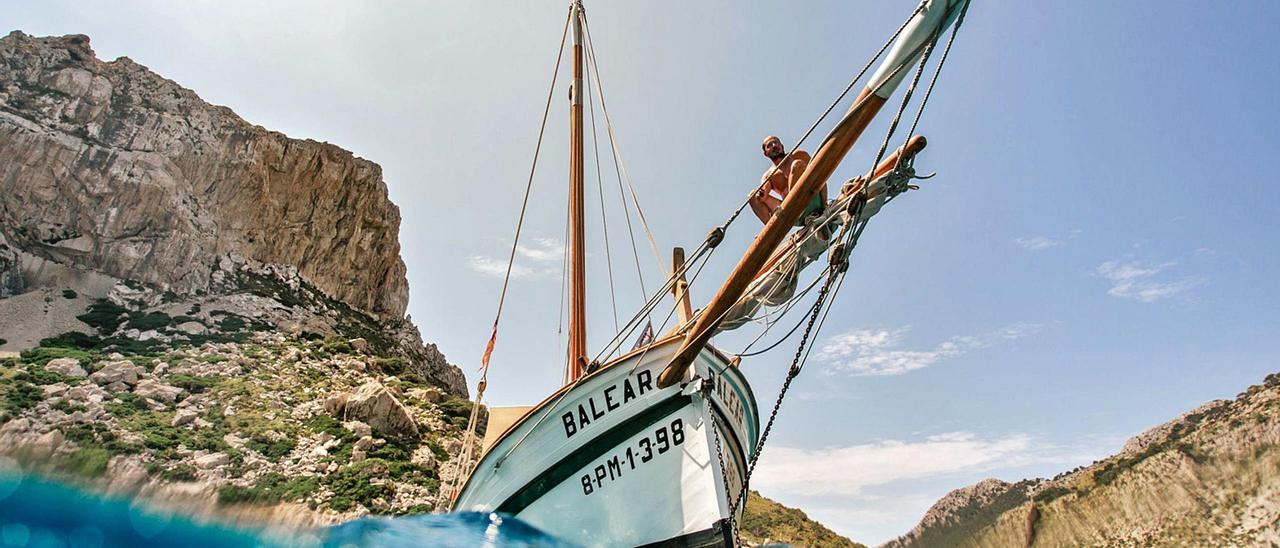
(1096, 255)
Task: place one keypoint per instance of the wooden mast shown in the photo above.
(577, 357)
(933, 16)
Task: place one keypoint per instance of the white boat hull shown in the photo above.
(615, 461)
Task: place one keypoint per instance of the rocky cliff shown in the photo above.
(1208, 478)
(119, 188)
(108, 166)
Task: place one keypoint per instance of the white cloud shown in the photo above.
(1037, 243)
(545, 253)
(872, 351)
(809, 472)
(1141, 281)
(495, 268)
(542, 250)
(1041, 243)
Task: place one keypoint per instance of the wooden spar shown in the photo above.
(816, 174)
(934, 16)
(680, 289)
(577, 356)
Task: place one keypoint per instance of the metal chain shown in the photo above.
(724, 472)
(792, 373)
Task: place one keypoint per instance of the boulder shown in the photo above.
(122, 371)
(54, 390)
(212, 460)
(374, 405)
(67, 367)
(358, 344)
(425, 458)
(184, 416)
(158, 391)
(429, 395)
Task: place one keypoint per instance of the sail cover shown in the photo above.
(777, 283)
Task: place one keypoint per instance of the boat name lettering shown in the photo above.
(730, 402)
(609, 399)
(662, 440)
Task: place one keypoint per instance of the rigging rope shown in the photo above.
(619, 165)
(469, 438)
(604, 220)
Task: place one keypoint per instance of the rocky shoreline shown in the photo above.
(236, 429)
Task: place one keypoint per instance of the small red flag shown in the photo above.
(488, 349)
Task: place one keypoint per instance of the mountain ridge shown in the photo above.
(1208, 477)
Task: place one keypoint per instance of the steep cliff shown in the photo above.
(1208, 478)
(121, 188)
(108, 166)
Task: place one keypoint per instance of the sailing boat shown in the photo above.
(655, 446)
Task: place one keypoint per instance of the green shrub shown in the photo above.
(329, 425)
(1049, 494)
(179, 472)
(353, 482)
(19, 396)
(390, 366)
(88, 462)
(43, 353)
(270, 489)
(72, 339)
(273, 450)
(194, 384)
(149, 321)
(438, 450)
(69, 294)
(337, 345)
(104, 315)
(457, 407)
(41, 376)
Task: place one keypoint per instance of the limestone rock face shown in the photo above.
(107, 166)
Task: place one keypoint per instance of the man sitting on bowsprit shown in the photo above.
(779, 178)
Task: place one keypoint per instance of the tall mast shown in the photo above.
(577, 357)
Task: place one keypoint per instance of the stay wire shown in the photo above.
(604, 219)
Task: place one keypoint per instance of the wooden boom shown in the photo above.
(932, 17)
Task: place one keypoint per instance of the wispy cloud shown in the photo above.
(493, 267)
(1145, 282)
(545, 254)
(542, 250)
(1041, 243)
(808, 472)
(863, 352)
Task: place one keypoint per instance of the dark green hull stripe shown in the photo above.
(588, 452)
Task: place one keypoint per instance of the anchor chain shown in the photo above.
(792, 373)
(707, 386)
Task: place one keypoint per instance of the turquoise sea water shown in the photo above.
(36, 512)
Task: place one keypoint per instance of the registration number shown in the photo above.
(645, 449)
